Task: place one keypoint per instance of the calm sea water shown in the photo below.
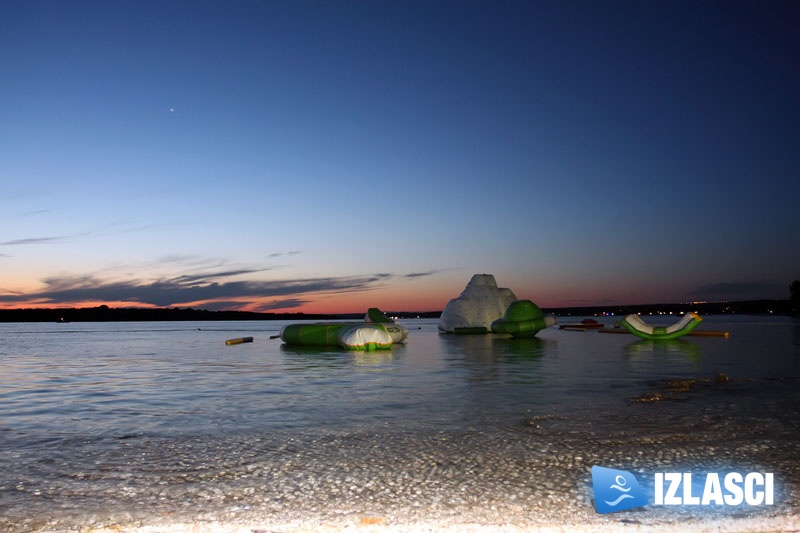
(72, 393)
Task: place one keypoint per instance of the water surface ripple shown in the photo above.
(148, 423)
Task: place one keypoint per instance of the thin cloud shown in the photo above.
(222, 305)
(36, 212)
(211, 277)
(280, 254)
(288, 303)
(181, 259)
(45, 240)
(191, 262)
(428, 273)
(421, 274)
(176, 291)
(228, 305)
(36, 240)
(108, 229)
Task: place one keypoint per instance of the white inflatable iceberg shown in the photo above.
(480, 303)
(483, 307)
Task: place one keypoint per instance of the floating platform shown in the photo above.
(376, 332)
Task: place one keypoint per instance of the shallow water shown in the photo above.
(120, 422)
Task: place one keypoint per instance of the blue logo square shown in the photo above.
(616, 490)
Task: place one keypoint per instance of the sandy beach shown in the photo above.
(376, 525)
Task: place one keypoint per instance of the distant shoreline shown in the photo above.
(134, 314)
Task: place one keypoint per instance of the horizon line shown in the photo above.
(549, 308)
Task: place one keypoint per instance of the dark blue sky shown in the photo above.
(324, 155)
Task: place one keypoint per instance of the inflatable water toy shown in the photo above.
(483, 307)
(480, 303)
(364, 337)
(376, 332)
(347, 335)
(523, 318)
(583, 325)
(240, 340)
(642, 329)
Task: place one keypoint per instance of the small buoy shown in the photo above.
(240, 340)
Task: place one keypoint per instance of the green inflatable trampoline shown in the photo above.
(376, 332)
(523, 318)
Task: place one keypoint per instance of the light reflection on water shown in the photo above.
(180, 378)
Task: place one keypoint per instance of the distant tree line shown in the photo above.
(104, 313)
(747, 307)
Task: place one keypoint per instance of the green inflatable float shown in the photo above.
(377, 332)
(642, 329)
(523, 318)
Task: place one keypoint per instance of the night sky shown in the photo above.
(332, 156)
